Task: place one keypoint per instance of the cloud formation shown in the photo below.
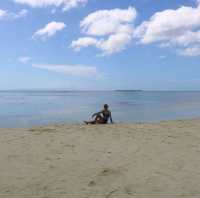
(65, 4)
(73, 70)
(21, 13)
(5, 14)
(179, 28)
(24, 59)
(190, 51)
(108, 30)
(49, 30)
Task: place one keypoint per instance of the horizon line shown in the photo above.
(98, 90)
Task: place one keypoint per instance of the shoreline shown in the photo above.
(103, 161)
(115, 123)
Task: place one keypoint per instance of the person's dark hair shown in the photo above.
(106, 106)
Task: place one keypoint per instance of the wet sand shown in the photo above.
(144, 160)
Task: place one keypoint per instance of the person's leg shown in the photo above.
(98, 120)
(90, 122)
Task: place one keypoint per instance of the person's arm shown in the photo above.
(111, 120)
(95, 114)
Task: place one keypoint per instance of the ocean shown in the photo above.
(35, 108)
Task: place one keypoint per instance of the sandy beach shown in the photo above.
(143, 160)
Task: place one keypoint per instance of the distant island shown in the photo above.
(126, 90)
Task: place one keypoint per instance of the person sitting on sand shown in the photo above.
(101, 117)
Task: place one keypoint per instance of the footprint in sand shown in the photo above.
(103, 179)
(51, 167)
(92, 183)
(48, 159)
(106, 172)
(39, 131)
(69, 145)
(110, 172)
(111, 193)
(129, 191)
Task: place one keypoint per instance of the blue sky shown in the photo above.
(100, 44)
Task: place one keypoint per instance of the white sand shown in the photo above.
(114, 161)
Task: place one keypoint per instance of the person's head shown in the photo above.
(106, 107)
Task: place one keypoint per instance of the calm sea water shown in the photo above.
(32, 108)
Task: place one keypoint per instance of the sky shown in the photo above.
(100, 44)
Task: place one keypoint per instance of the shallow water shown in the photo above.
(30, 108)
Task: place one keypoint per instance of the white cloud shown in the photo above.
(105, 22)
(11, 15)
(84, 42)
(187, 38)
(24, 59)
(49, 30)
(21, 13)
(179, 28)
(165, 25)
(190, 51)
(116, 43)
(108, 30)
(66, 4)
(3, 13)
(74, 70)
